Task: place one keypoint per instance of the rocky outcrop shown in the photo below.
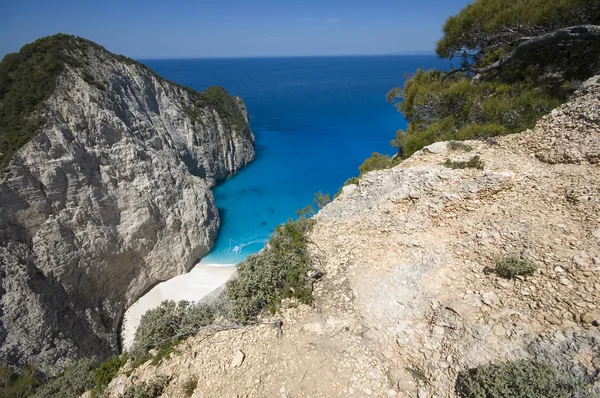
(110, 197)
(408, 300)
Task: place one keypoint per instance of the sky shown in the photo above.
(232, 28)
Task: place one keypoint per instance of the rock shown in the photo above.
(437, 147)
(237, 360)
(590, 318)
(489, 298)
(349, 189)
(552, 319)
(596, 233)
(422, 393)
(110, 197)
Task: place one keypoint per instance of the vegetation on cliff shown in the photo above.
(519, 379)
(518, 61)
(28, 78)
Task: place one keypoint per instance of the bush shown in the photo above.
(520, 379)
(279, 271)
(459, 109)
(17, 383)
(74, 381)
(513, 265)
(474, 163)
(377, 161)
(189, 386)
(160, 327)
(152, 389)
(459, 146)
(107, 371)
(218, 98)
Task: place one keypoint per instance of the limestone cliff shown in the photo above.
(408, 300)
(110, 196)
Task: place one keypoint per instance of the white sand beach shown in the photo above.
(200, 281)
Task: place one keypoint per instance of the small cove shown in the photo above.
(315, 120)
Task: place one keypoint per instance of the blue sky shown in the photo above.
(232, 28)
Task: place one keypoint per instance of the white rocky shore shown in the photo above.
(406, 289)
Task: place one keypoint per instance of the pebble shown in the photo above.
(238, 359)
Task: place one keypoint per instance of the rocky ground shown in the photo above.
(408, 299)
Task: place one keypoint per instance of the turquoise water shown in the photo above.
(315, 120)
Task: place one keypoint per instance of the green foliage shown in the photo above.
(107, 371)
(279, 271)
(321, 200)
(217, 98)
(520, 379)
(513, 265)
(418, 375)
(400, 141)
(476, 102)
(474, 163)
(74, 381)
(165, 350)
(459, 146)
(377, 161)
(28, 78)
(189, 386)
(17, 384)
(486, 22)
(458, 109)
(152, 389)
(160, 327)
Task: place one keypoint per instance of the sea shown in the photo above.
(315, 120)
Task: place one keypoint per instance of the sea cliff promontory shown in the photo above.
(104, 192)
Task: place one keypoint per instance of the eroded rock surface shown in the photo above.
(111, 197)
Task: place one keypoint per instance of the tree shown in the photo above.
(518, 61)
(532, 37)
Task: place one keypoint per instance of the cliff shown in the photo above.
(105, 191)
(409, 296)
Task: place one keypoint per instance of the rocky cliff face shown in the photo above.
(111, 196)
(408, 300)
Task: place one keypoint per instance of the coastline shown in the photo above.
(192, 286)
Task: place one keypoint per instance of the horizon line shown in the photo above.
(415, 53)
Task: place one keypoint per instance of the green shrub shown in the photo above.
(160, 327)
(520, 379)
(279, 271)
(74, 381)
(459, 146)
(377, 161)
(474, 163)
(107, 371)
(218, 98)
(189, 386)
(152, 389)
(513, 265)
(17, 383)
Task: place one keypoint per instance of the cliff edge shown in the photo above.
(104, 192)
(410, 298)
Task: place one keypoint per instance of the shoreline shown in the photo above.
(192, 286)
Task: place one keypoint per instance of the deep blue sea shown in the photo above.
(315, 121)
